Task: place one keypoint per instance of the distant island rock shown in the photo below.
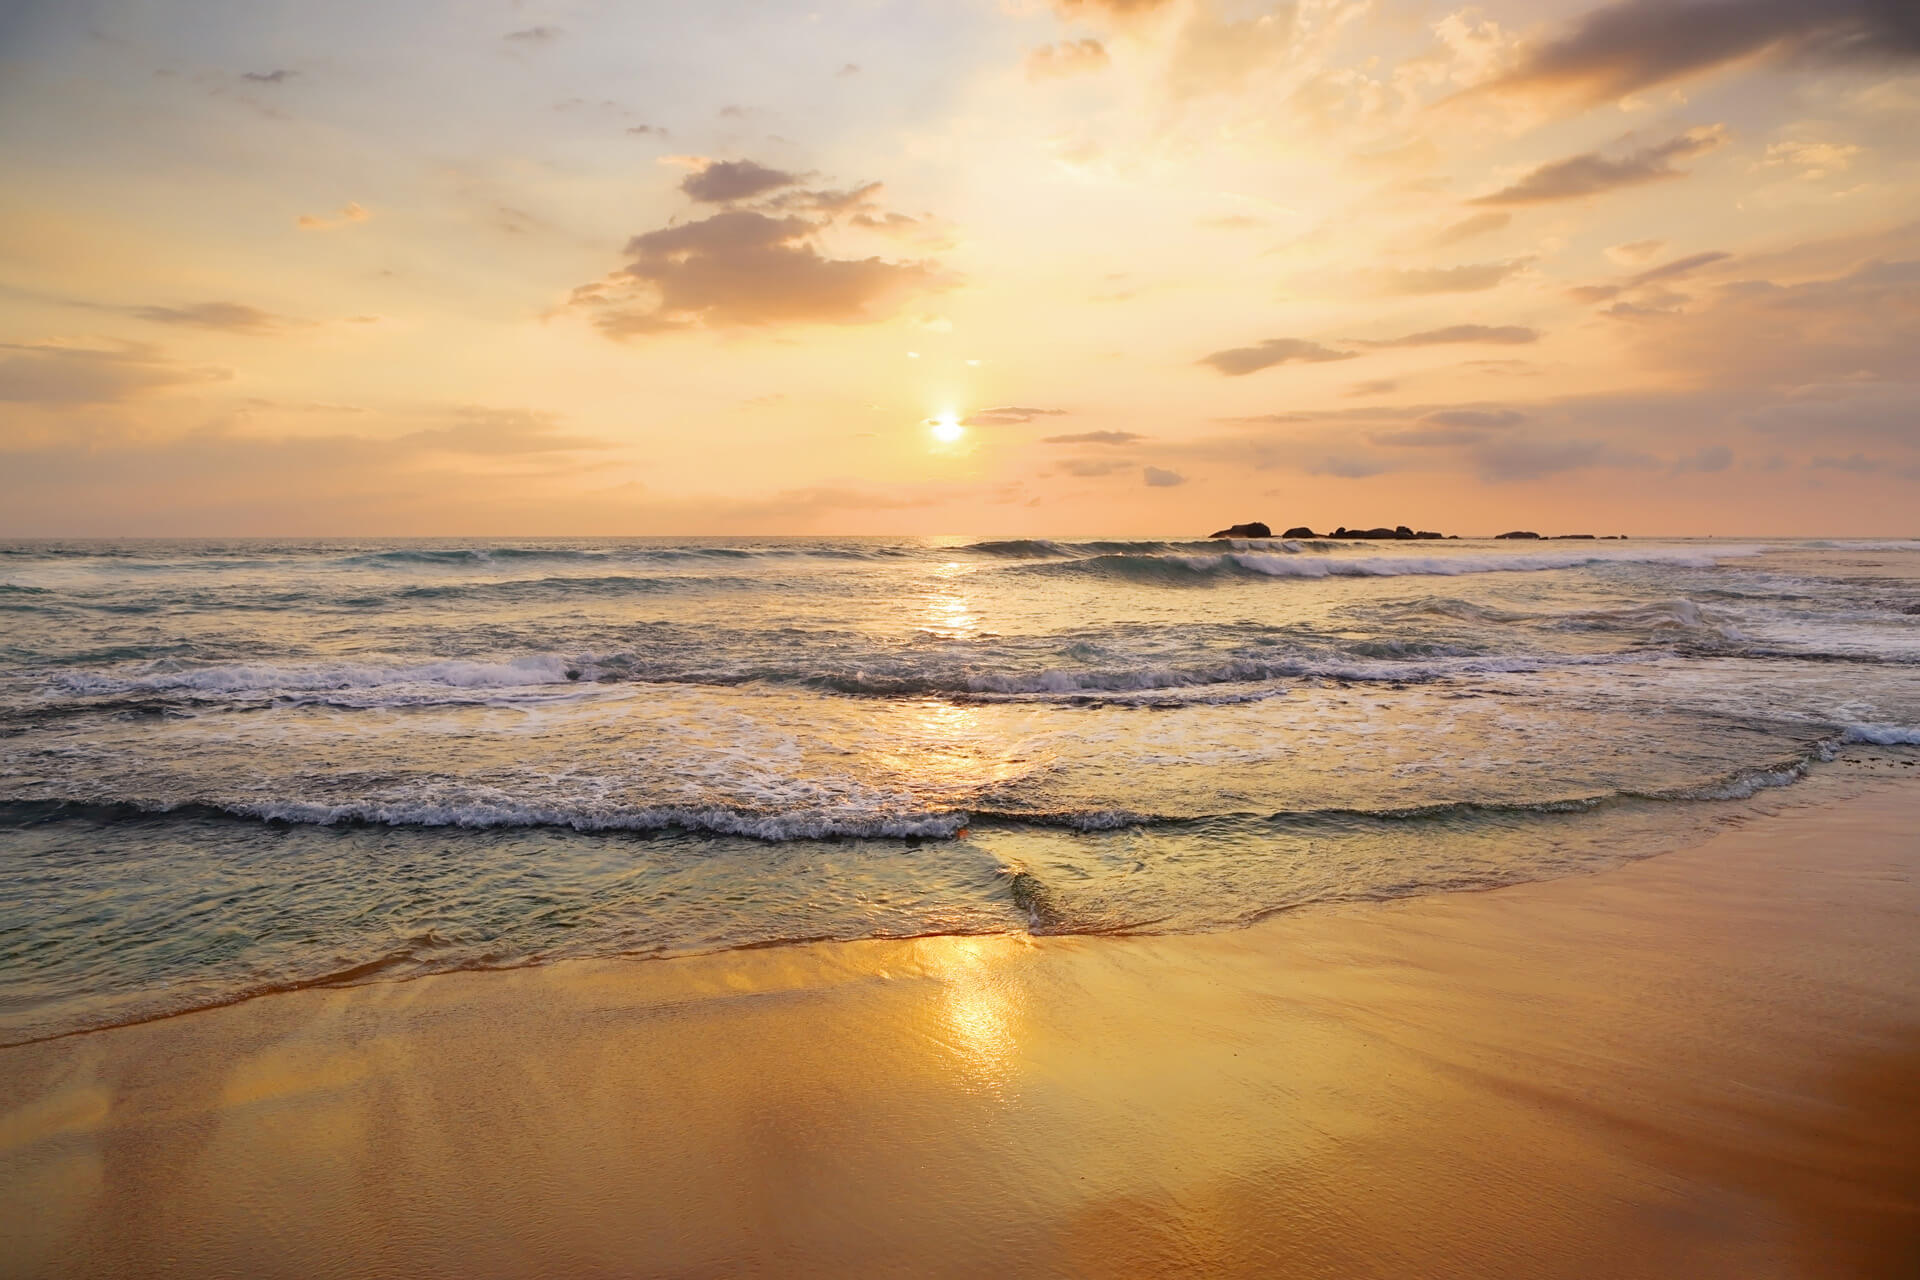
(1398, 533)
(1401, 533)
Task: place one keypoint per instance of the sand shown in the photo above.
(1705, 1064)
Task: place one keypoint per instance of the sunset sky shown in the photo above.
(1150, 266)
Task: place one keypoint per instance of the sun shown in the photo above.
(946, 428)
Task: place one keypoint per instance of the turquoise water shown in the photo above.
(235, 767)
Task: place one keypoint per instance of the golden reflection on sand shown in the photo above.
(980, 1010)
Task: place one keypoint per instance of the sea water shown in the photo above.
(228, 768)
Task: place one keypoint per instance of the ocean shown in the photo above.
(235, 767)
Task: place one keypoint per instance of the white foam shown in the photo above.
(1882, 735)
(535, 669)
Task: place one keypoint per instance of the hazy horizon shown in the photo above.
(1005, 266)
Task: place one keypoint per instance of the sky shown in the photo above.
(578, 267)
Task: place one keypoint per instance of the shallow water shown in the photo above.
(234, 767)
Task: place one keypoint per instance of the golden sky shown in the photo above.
(958, 266)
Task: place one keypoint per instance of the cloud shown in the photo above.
(1677, 268)
(723, 181)
(1427, 437)
(1068, 58)
(647, 130)
(350, 213)
(1620, 48)
(1479, 224)
(1856, 327)
(1709, 458)
(1593, 173)
(1348, 467)
(743, 267)
(1857, 463)
(1240, 361)
(1232, 222)
(278, 76)
(480, 432)
(847, 69)
(533, 35)
(1504, 461)
(1502, 335)
(1007, 416)
(1089, 468)
(1476, 418)
(49, 374)
(1158, 478)
(1635, 251)
(1107, 8)
(230, 317)
(1472, 277)
(1096, 437)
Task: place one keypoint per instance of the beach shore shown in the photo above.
(1704, 1064)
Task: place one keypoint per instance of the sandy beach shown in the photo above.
(1703, 1064)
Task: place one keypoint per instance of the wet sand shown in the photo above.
(1706, 1064)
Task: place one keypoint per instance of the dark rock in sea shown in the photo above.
(1252, 530)
(1518, 533)
(1573, 537)
(1428, 535)
(1300, 531)
(1383, 534)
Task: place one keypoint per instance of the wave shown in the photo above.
(849, 822)
(534, 669)
(368, 684)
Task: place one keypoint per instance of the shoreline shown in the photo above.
(1766, 789)
(1697, 1063)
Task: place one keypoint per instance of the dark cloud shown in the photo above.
(1593, 173)
(1007, 416)
(1471, 277)
(1858, 463)
(1068, 58)
(56, 375)
(1475, 418)
(832, 203)
(1709, 458)
(1502, 461)
(1427, 437)
(1677, 268)
(533, 35)
(743, 267)
(1158, 478)
(277, 76)
(1479, 224)
(1096, 437)
(231, 317)
(1502, 335)
(1089, 468)
(497, 433)
(1348, 466)
(1861, 326)
(1620, 48)
(849, 69)
(1239, 361)
(722, 181)
(647, 130)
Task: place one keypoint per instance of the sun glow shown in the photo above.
(946, 428)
